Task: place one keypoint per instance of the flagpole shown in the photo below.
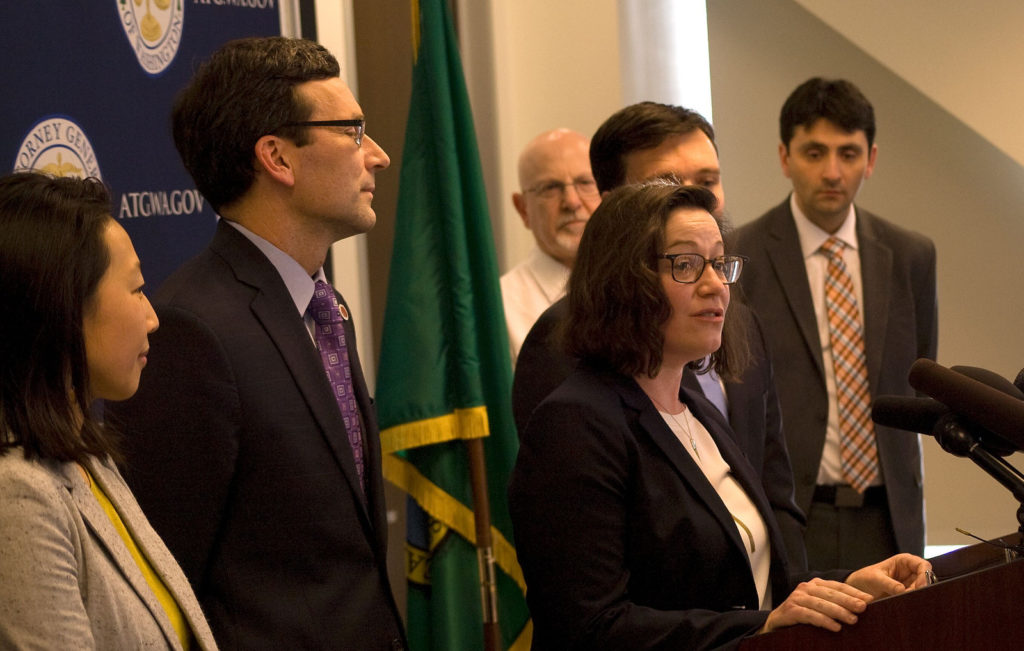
(484, 545)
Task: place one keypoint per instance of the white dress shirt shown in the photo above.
(749, 523)
(527, 290)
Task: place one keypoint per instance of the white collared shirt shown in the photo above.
(299, 283)
(527, 290)
(749, 523)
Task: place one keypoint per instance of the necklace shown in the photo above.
(685, 426)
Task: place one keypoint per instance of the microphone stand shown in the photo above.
(957, 440)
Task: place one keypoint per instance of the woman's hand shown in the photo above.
(826, 604)
(892, 576)
(829, 604)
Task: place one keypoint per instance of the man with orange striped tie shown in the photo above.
(848, 302)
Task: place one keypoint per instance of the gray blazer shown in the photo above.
(66, 578)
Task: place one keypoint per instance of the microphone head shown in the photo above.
(992, 379)
(907, 413)
(926, 416)
(985, 399)
(992, 442)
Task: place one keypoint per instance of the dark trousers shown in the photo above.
(841, 535)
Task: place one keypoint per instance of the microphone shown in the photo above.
(989, 408)
(992, 379)
(992, 442)
(906, 413)
(931, 417)
(958, 439)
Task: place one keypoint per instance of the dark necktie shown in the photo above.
(330, 339)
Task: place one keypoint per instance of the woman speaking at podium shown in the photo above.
(638, 523)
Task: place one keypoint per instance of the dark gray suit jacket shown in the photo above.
(67, 578)
(900, 316)
(238, 454)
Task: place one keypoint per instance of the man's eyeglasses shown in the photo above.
(359, 126)
(556, 189)
(689, 267)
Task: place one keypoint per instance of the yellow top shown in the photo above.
(167, 601)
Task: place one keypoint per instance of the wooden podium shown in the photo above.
(976, 603)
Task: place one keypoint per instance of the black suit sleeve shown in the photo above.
(777, 472)
(182, 438)
(541, 366)
(778, 484)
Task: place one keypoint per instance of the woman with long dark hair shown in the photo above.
(80, 567)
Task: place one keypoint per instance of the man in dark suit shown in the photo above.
(856, 516)
(265, 483)
(645, 141)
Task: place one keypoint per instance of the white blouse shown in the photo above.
(698, 442)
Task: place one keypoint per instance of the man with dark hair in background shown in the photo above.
(848, 302)
(645, 141)
(256, 455)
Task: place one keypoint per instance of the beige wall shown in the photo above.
(555, 64)
(934, 175)
(967, 56)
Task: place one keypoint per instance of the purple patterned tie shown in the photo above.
(330, 339)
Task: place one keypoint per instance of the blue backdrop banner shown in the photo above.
(90, 85)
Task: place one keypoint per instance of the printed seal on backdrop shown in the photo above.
(56, 145)
(153, 28)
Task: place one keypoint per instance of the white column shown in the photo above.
(664, 53)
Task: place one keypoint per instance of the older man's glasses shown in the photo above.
(689, 267)
(556, 189)
(358, 127)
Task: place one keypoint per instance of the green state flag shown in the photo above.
(445, 374)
